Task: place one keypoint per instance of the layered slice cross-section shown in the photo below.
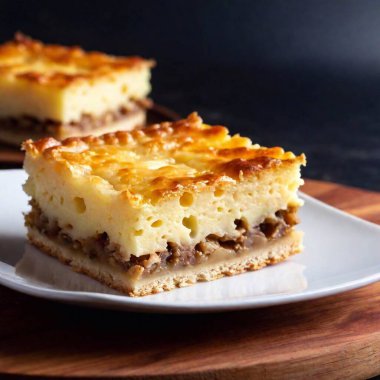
(163, 207)
(52, 90)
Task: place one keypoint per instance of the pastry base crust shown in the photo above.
(16, 137)
(270, 253)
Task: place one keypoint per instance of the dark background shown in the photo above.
(301, 74)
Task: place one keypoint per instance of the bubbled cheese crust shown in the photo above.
(63, 83)
(174, 182)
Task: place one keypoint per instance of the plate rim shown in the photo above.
(126, 303)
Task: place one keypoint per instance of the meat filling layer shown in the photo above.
(100, 247)
(86, 123)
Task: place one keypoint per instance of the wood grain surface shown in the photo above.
(331, 338)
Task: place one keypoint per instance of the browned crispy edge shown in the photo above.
(97, 64)
(243, 160)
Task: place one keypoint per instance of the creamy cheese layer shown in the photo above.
(68, 104)
(168, 183)
(62, 84)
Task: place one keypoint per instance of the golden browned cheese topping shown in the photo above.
(55, 65)
(164, 160)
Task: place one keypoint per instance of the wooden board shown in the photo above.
(330, 338)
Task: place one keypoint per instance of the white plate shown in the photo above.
(342, 253)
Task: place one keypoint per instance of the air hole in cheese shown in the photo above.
(186, 200)
(80, 205)
(192, 224)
